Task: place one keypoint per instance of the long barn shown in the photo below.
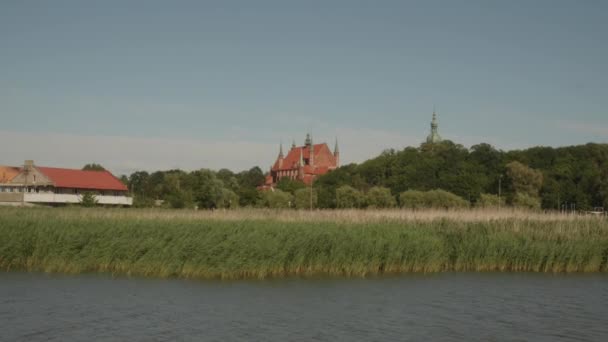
(49, 185)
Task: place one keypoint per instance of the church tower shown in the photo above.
(311, 157)
(434, 137)
(281, 157)
(337, 153)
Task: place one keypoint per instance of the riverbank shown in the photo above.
(260, 244)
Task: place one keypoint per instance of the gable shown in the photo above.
(33, 177)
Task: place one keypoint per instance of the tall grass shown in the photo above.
(259, 244)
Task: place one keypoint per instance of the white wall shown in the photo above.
(73, 198)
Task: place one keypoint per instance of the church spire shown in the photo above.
(311, 157)
(308, 140)
(281, 150)
(336, 148)
(337, 153)
(434, 137)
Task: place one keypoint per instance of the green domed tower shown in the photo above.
(434, 137)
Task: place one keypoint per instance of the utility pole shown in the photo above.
(311, 180)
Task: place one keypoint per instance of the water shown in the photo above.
(440, 307)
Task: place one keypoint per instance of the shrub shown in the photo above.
(431, 199)
(302, 198)
(379, 197)
(276, 199)
(490, 201)
(88, 200)
(179, 200)
(229, 199)
(348, 197)
(523, 200)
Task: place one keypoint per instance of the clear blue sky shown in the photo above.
(158, 84)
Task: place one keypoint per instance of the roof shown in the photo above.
(7, 173)
(71, 178)
(292, 158)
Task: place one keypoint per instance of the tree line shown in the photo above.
(441, 175)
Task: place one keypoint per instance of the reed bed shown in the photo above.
(266, 243)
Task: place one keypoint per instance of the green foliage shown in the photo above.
(289, 185)
(574, 175)
(180, 200)
(93, 167)
(302, 198)
(229, 199)
(276, 199)
(524, 179)
(523, 200)
(438, 199)
(490, 201)
(349, 197)
(140, 201)
(380, 197)
(40, 239)
(88, 200)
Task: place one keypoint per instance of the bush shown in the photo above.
(180, 200)
(276, 199)
(348, 197)
(290, 185)
(302, 198)
(88, 200)
(379, 197)
(229, 199)
(523, 200)
(439, 199)
(490, 201)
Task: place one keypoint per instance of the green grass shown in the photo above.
(125, 242)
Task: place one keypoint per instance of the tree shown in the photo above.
(290, 185)
(229, 199)
(180, 199)
(437, 199)
(302, 198)
(125, 180)
(276, 199)
(93, 167)
(206, 188)
(88, 200)
(490, 201)
(348, 197)
(380, 197)
(524, 180)
(523, 200)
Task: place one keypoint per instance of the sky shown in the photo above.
(154, 85)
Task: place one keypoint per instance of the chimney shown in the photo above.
(28, 165)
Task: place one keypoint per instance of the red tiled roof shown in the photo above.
(292, 158)
(79, 179)
(7, 173)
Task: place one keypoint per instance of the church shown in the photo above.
(303, 163)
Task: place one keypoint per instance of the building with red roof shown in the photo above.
(303, 163)
(51, 185)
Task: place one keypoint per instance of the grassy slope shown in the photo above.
(64, 240)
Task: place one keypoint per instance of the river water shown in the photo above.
(438, 307)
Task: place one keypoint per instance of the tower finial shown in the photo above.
(281, 149)
(311, 156)
(336, 148)
(308, 140)
(434, 136)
